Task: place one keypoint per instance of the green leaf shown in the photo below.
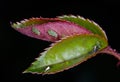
(86, 23)
(67, 53)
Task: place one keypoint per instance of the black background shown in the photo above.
(17, 51)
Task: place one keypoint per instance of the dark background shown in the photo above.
(17, 51)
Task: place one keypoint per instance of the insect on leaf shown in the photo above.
(49, 29)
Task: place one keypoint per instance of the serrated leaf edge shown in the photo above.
(22, 22)
(82, 18)
(55, 43)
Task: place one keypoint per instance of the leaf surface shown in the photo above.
(86, 23)
(67, 53)
(49, 29)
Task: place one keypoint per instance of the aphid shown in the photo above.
(36, 31)
(75, 38)
(52, 33)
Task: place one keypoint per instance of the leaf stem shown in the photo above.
(109, 50)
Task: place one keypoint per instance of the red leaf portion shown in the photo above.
(52, 31)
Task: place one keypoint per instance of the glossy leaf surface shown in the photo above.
(67, 53)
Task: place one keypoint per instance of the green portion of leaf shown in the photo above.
(67, 53)
(86, 23)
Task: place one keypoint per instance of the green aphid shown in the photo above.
(52, 33)
(36, 31)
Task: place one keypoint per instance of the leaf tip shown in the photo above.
(25, 72)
